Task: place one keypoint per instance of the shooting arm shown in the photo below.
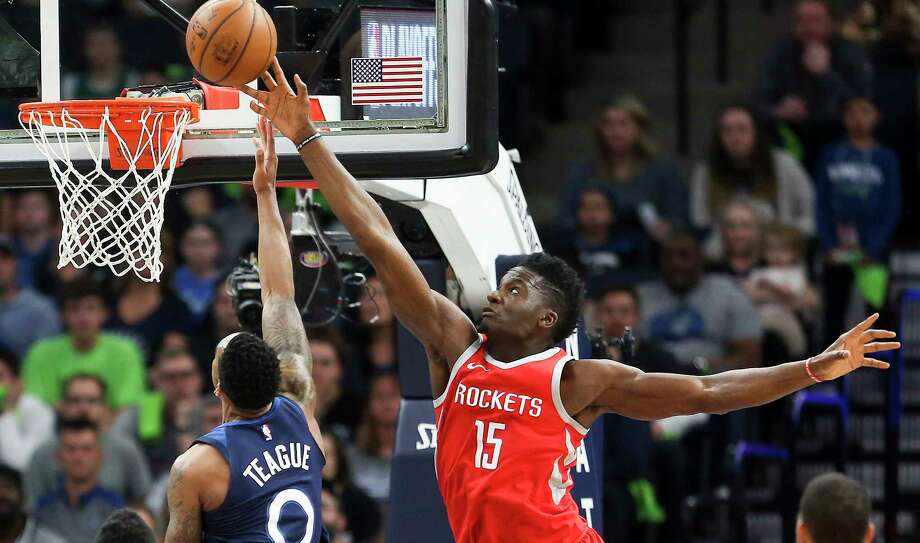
(282, 326)
(651, 396)
(184, 504)
(435, 321)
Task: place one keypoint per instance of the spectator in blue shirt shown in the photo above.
(34, 242)
(25, 315)
(858, 205)
(197, 278)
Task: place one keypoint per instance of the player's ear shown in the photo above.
(217, 390)
(549, 318)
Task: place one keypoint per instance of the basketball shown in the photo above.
(231, 42)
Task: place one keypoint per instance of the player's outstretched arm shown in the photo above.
(650, 396)
(182, 494)
(435, 321)
(282, 326)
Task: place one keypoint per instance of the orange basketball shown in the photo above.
(231, 42)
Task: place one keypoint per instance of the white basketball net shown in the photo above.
(111, 221)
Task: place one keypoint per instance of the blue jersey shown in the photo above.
(275, 479)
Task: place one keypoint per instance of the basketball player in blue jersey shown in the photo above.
(258, 476)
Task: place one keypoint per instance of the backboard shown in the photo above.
(439, 54)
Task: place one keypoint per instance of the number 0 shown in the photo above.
(274, 513)
(483, 460)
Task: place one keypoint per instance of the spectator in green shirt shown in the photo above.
(84, 349)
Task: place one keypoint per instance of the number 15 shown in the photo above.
(483, 459)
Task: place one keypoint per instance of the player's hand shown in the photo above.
(287, 110)
(266, 171)
(849, 351)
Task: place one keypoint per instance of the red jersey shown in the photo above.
(505, 446)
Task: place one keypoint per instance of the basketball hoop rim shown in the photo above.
(89, 112)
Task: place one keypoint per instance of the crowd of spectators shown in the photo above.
(778, 239)
(777, 236)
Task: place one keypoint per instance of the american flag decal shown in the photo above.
(390, 80)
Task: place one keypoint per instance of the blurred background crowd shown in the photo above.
(759, 248)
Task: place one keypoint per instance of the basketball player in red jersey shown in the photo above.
(511, 409)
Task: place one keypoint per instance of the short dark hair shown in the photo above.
(65, 387)
(567, 293)
(76, 425)
(835, 509)
(8, 473)
(10, 359)
(124, 526)
(249, 372)
(79, 289)
(620, 288)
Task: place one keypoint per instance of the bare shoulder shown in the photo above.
(198, 463)
(583, 380)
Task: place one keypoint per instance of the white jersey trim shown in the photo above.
(456, 368)
(539, 357)
(557, 397)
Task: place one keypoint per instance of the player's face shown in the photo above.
(516, 308)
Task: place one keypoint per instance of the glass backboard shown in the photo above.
(438, 55)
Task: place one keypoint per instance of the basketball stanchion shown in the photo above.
(111, 211)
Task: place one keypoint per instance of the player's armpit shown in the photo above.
(282, 330)
(184, 504)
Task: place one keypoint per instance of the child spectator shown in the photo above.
(197, 278)
(858, 206)
(605, 248)
(781, 291)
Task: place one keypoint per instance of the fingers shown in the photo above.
(257, 108)
(269, 81)
(866, 324)
(869, 335)
(882, 346)
(269, 138)
(302, 91)
(252, 93)
(279, 75)
(875, 363)
(260, 152)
